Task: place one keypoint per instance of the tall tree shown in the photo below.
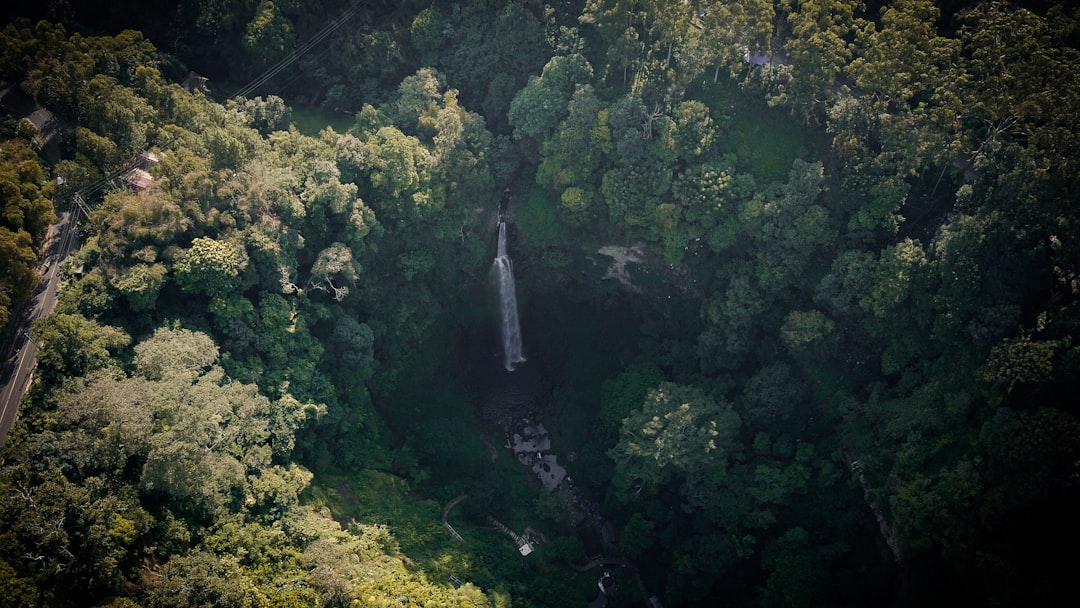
(680, 435)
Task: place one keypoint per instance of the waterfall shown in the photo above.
(502, 271)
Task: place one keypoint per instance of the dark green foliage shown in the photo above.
(836, 367)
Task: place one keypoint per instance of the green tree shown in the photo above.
(728, 31)
(265, 114)
(269, 36)
(397, 166)
(26, 191)
(820, 47)
(18, 271)
(538, 108)
(203, 579)
(26, 211)
(20, 591)
(352, 346)
(803, 329)
(72, 345)
(141, 284)
(175, 352)
(335, 263)
(73, 537)
(210, 267)
(679, 435)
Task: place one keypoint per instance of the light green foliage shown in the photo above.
(678, 435)
(397, 165)
(25, 189)
(1023, 90)
(417, 96)
(19, 270)
(573, 152)
(205, 579)
(913, 75)
(576, 203)
(288, 355)
(210, 267)
(325, 196)
(335, 263)
(175, 352)
(695, 130)
(456, 140)
(136, 226)
(141, 284)
(121, 114)
(202, 438)
(63, 67)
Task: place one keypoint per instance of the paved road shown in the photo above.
(17, 367)
(17, 372)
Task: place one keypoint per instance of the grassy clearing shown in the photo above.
(311, 120)
(766, 140)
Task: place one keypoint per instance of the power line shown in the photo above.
(294, 55)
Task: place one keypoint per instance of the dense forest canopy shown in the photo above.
(798, 284)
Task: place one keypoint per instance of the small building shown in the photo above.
(138, 179)
(194, 82)
(146, 160)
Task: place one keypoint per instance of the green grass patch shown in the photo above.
(376, 497)
(765, 140)
(538, 219)
(311, 120)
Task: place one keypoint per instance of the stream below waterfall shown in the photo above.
(513, 406)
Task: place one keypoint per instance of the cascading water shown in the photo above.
(502, 271)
